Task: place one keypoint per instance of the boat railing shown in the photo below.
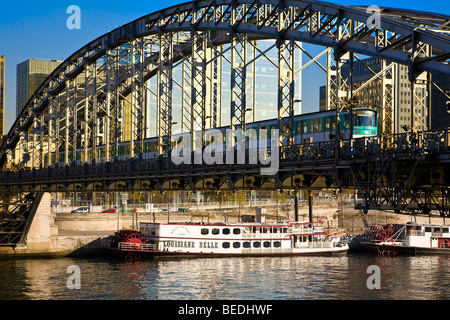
(314, 244)
(264, 235)
(136, 246)
(300, 230)
(415, 233)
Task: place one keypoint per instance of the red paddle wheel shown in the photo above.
(130, 243)
(129, 237)
(377, 235)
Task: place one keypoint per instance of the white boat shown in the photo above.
(231, 239)
(392, 239)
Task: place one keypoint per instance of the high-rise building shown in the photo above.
(30, 75)
(264, 103)
(2, 95)
(261, 85)
(440, 118)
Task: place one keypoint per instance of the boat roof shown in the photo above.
(237, 224)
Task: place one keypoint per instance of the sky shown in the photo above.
(38, 30)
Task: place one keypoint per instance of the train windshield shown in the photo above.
(365, 118)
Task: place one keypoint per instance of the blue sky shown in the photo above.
(37, 30)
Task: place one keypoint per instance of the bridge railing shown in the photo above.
(405, 144)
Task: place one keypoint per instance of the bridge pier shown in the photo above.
(43, 225)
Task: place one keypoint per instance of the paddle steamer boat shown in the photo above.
(230, 239)
(410, 238)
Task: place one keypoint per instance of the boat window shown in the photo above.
(266, 244)
(445, 230)
(236, 231)
(274, 230)
(246, 244)
(226, 231)
(437, 229)
(215, 231)
(256, 244)
(264, 230)
(225, 245)
(236, 245)
(427, 229)
(205, 231)
(277, 244)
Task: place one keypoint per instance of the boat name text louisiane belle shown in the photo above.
(190, 244)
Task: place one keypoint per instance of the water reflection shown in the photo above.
(287, 278)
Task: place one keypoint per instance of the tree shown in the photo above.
(240, 199)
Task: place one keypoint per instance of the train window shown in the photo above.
(224, 136)
(299, 127)
(327, 124)
(364, 118)
(347, 121)
(316, 125)
(304, 126)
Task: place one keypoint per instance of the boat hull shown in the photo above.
(405, 250)
(169, 254)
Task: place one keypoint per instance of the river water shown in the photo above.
(255, 278)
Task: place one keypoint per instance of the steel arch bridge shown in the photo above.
(69, 135)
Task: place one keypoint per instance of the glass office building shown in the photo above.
(261, 86)
(30, 75)
(265, 99)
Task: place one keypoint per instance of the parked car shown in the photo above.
(81, 210)
(164, 210)
(183, 209)
(109, 211)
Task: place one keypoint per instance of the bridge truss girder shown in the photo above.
(101, 97)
